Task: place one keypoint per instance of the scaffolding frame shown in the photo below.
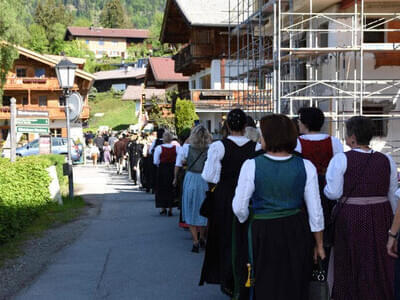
(278, 55)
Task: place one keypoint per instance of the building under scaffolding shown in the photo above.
(341, 56)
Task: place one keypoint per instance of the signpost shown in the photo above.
(32, 113)
(29, 122)
(33, 129)
(32, 121)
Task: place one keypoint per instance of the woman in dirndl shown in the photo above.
(393, 246)
(270, 195)
(194, 154)
(164, 159)
(364, 181)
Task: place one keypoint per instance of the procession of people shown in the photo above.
(272, 204)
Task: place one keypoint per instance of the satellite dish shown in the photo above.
(75, 103)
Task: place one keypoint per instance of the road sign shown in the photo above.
(32, 121)
(32, 113)
(33, 129)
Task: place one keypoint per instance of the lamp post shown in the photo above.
(66, 77)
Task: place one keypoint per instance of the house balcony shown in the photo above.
(225, 100)
(32, 83)
(55, 113)
(193, 58)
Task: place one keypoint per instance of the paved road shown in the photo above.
(128, 251)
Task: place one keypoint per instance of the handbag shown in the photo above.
(319, 288)
(206, 206)
(329, 233)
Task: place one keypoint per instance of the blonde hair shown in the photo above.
(167, 137)
(200, 137)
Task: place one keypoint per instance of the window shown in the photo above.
(25, 100)
(56, 132)
(6, 100)
(115, 43)
(40, 72)
(101, 43)
(193, 84)
(21, 72)
(206, 82)
(209, 125)
(42, 101)
(323, 35)
(119, 87)
(87, 42)
(381, 123)
(374, 36)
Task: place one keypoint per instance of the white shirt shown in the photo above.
(215, 154)
(158, 150)
(182, 155)
(335, 177)
(246, 187)
(337, 146)
(152, 145)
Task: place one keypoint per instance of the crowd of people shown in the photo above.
(269, 205)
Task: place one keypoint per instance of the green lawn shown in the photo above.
(118, 114)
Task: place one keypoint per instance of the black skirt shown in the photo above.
(165, 192)
(282, 259)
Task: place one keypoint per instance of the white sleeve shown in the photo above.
(313, 199)
(337, 145)
(335, 177)
(157, 153)
(152, 146)
(244, 190)
(182, 154)
(212, 167)
(258, 147)
(393, 183)
(298, 146)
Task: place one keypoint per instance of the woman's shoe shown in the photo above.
(195, 248)
(163, 212)
(202, 244)
(170, 214)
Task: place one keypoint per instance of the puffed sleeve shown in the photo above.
(182, 155)
(335, 177)
(212, 167)
(337, 145)
(393, 183)
(244, 190)
(157, 153)
(298, 146)
(313, 199)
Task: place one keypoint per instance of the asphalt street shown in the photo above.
(128, 251)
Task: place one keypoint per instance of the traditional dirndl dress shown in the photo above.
(165, 193)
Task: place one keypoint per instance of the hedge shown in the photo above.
(24, 191)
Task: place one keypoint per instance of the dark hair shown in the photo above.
(160, 133)
(279, 133)
(363, 129)
(236, 120)
(312, 117)
(250, 122)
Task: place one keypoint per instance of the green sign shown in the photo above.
(33, 129)
(32, 121)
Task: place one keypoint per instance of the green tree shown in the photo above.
(113, 15)
(12, 32)
(155, 29)
(82, 22)
(38, 39)
(185, 115)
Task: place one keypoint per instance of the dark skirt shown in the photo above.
(362, 267)
(282, 259)
(217, 265)
(165, 191)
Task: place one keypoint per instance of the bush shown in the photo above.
(185, 115)
(24, 191)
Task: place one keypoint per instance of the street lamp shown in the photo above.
(66, 77)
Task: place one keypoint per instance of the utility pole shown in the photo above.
(13, 129)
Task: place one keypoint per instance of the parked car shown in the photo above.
(58, 146)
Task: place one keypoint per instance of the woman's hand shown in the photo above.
(319, 251)
(391, 247)
(174, 182)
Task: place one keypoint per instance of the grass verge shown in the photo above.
(52, 216)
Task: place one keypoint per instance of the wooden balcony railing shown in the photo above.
(189, 54)
(32, 83)
(55, 113)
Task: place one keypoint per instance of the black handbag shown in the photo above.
(206, 206)
(319, 288)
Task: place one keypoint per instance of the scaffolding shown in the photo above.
(286, 54)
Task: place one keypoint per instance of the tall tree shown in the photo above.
(13, 32)
(113, 15)
(38, 39)
(185, 115)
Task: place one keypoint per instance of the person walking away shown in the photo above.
(134, 153)
(112, 140)
(120, 151)
(107, 154)
(194, 154)
(393, 246)
(164, 159)
(158, 141)
(93, 152)
(99, 142)
(222, 167)
(364, 183)
(269, 196)
(147, 165)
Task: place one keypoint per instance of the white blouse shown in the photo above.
(182, 155)
(246, 187)
(335, 177)
(337, 146)
(212, 168)
(157, 152)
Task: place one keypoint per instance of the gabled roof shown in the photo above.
(74, 60)
(51, 62)
(163, 69)
(121, 73)
(135, 92)
(108, 32)
(205, 12)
